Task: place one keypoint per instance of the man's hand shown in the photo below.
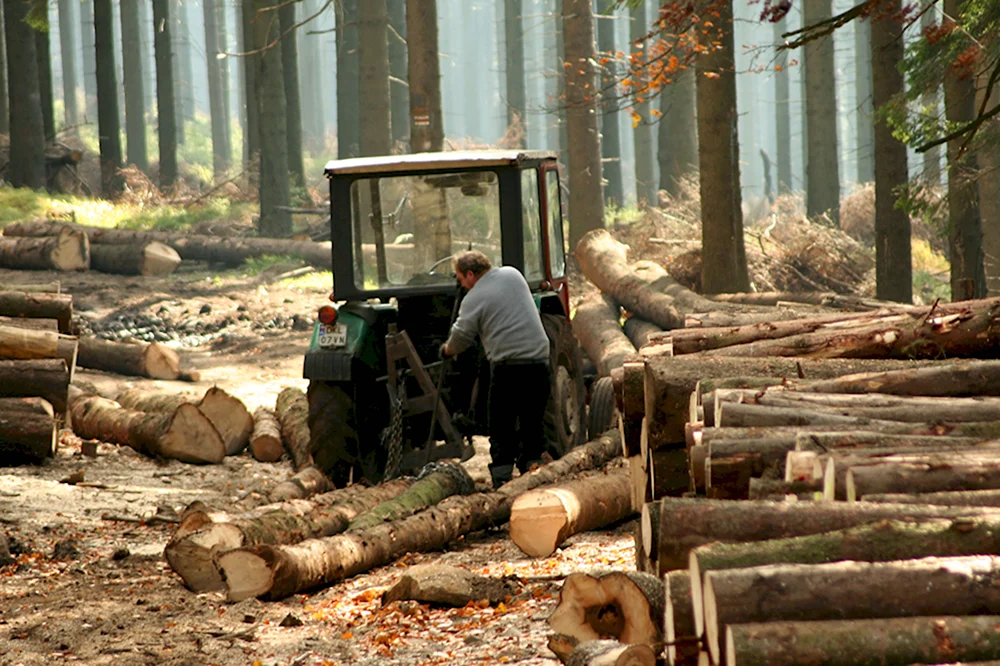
(443, 351)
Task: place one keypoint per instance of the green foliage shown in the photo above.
(624, 215)
(256, 265)
(313, 280)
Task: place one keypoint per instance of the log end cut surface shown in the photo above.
(245, 573)
(537, 519)
(192, 438)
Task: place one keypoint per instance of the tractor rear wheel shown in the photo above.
(601, 416)
(333, 434)
(565, 414)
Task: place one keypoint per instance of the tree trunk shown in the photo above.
(782, 111)
(349, 76)
(151, 360)
(373, 24)
(27, 135)
(678, 626)
(930, 100)
(292, 410)
(639, 331)
(293, 101)
(596, 326)
(724, 260)
(135, 96)
(23, 343)
(642, 135)
(89, 62)
(27, 430)
(153, 258)
(586, 198)
(866, 61)
(39, 305)
(4, 97)
(190, 553)
(166, 111)
(69, 251)
(933, 472)
(424, 72)
(441, 481)
(847, 590)
(516, 93)
(42, 53)
(107, 100)
(250, 66)
(271, 572)
(624, 605)
(677, 149)
(185, 434)
(399, 93)
(216, 88)
(611, 149)
(265, 439)
(822, 169)
(541, 520)
(275, 221)
(989, 498)
(44, 378)
(896, 640)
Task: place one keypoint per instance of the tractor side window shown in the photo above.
(557, 253)
(534, 268)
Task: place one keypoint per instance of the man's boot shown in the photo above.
(501, 474)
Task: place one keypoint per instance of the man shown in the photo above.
(499, 309)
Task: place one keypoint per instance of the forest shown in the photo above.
(747, 99)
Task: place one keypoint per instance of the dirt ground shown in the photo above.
(89, 582)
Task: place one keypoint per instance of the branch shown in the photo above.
(825, 27)
(972, 126)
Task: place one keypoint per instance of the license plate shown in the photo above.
(333, 336)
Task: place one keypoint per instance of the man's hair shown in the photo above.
(472, 260)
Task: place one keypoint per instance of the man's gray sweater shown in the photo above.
(501, 311)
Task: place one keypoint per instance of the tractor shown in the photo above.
(381, 403)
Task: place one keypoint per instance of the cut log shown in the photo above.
(847, 590)
(27, 430)
(150, 258)
(688, 523)
(897, 640)
(190, 553)
(307, 482)
(53, 287)
(625, 605)
(775, 489)
(638, 474)
(185, 434)
(18, 343)
(749, 317)
(47, 378)
(603, 260)
(69, 250)
(679, 634)
(39, 305)
(933, 473)
(632, 408)
(446, 585)
(955, 379)
(990, 498)
(292, 410)
(275, 572)
(227, 413)
(34, 323)
(639, 331)
(151, 360)
(668, 473)
(265, 440)
(596, 326)
(611, 653)
(437, 481)
(541, 520)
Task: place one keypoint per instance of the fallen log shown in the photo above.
(639, 331)
(596, 326)
(847, 590)
(27, 430)
(150, 258)
(190, 553)
(185, 434)
(776, 489)
(603, 260)
(52, 287)
(275, 572)
(757, 315)
(987, 498)
(679, 635)
(18, 343)
(610, 653)
(69, 250)
(437, 481)
(919, 474)
(151, 360)
(33, 323)
(954, 379)
(292, 410)
(541, 520)
(307, 482)
(896, 640)
(45, 378)
(627, 606)
(265, 439)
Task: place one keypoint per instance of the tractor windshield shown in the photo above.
(407, 228)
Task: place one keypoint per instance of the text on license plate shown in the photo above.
(333, 336)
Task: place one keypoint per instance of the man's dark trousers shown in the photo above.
(519, 393)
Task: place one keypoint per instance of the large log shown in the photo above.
(596, 326)
(151, 360)
(51, 287)
(265, 439)
(639, 331)
(27, 430)
(275, 572)
(39, 305)
(149, 258)
(897, 640)
(988, 497)
(679, 632)
(954, 378)
(190, 553)
(18, 343)
(292, 410)
(185, 434)
(848, 590)
(437, 481)
(69, 250)
(307, 482)
(625, 605)
(632, 406)
(603, 260)
(33, 323)
(46, 378)
(919, 474)
(541, 520)
(231, 251)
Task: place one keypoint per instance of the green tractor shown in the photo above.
(377, 407)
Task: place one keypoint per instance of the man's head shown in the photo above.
(470, 266)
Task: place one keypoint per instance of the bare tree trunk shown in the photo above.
(165, 107)
(135, 98)
(251, 63)
(424, 70)
(349, 76)
(678, 143)
(293, 103)
(27, 135)
(183, 79)
(931, 101)
(724, 262)
(373, 25)
(89, 61)
(864, 113)
(642, 136)
(107, 100)
(822, 170)
(399, 94)
(586, 198)
(611, 145)
(274, 188)
(4, 99)
(45, 75)
(782, 112)
(216, 86)
(516, 92)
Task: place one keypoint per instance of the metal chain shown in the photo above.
(392, 438)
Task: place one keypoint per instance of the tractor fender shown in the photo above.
(364, 341)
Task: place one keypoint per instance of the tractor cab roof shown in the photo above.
(453, 160)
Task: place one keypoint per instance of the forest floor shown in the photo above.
(90, 583)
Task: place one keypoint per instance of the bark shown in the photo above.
(682, 642)
(864, 114)
(611, 653)
(349, 79)
(677, 148)
(293, 101)
(988, 498)
(373, 66)
(516, 94)
(957, 379)
(274, 193)
(630, 402)
(152, 258)
(586, 199)
(88, 64)
(782, 111)
(292, 410)
(132, 75)
(216, 86)
(774, 489)
(541, 520)
(668, 473)
(4, 97)
(53, 287)
(185, 434)
(900, 640)
(42, 53)
(27, 134)
(642, 134)
(595, 324)
(190, 552)
(38, 305)
(151, 360)
(27, 430)
(69, 251)
(847, 590)
(611, 150)
(166, 111)
(435, 484)
(639, 331)
(18, 343)
(265, 439)
(250, 64)
(107, 100)
(724, 260)
(307, 482)
(822, 170)
(47, 378)
(624, 605)
(921, 474)
(399, 94)
(734, 415)
(276, 572)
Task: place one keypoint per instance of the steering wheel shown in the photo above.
(437, 263)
